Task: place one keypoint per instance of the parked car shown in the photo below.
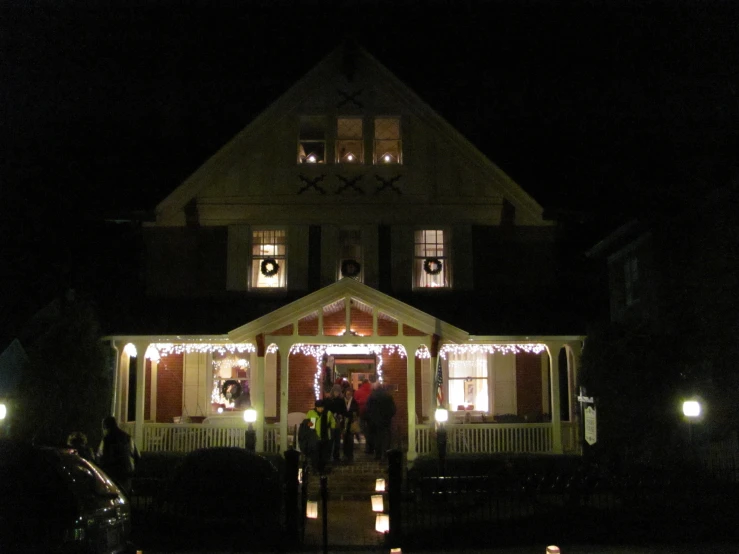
(54, 501)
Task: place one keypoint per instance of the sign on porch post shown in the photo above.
(591, 427)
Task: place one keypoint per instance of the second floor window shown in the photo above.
(349, 140)
(431, 259)
(268, 259)
(350, 254)
(387, 141)
(312, 140)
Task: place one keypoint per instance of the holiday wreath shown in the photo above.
(269, 267)
(350, 268)
(231, 389)
(432, 266)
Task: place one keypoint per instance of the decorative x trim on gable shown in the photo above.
(349, 184)
(349, 97)
(387, 184)
(311, 183)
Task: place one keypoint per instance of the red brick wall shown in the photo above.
(387, 328)
(361, 322)
(308, 327)
(394, 373)
(334, 324)
(169, 388)
(528, 383)
(300, 395)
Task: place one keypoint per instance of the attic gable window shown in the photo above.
(388, 145)
(312, 140)
(431, 259)
(268, 259)
(349, 147)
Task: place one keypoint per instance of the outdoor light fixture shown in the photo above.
(3, 411)
(250, 416)
(441, 415)
(691, 408)
(378, 504)
(382, 523)
(553, 550)
(311, 509)
(380, 485)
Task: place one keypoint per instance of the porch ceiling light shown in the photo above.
(250, 415)
(441, 415)
(380, 485)
(378, 504)
(691, 408)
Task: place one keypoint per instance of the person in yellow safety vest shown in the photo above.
(323, 422)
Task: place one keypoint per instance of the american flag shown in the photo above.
(439, 384)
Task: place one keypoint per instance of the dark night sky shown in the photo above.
(594, 108)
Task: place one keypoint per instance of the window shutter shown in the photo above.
(237, 272)
(298, 243)
(463, 263)
(401, 257)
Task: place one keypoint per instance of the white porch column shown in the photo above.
(153, 395)
(138, 435)
(257, 392)
(284, 345)
(553, 350)
(411, 345)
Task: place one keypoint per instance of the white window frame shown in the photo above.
(342, 141)
(380, 144)
(428, 244)
(312, 141)
(468, 381)
(265, 244)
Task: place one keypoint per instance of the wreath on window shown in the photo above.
(433, 266)
(231, 389)
(350, 268)
(269, 267)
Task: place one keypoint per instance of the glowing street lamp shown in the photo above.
(3, 411)
(692, 410)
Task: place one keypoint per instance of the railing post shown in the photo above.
(292, 507)
(394, 497)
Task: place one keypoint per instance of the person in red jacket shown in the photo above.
(361, 396)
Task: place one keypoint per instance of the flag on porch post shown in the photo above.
(439, 383)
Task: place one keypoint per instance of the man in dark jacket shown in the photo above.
(117, 454)
(380, 412)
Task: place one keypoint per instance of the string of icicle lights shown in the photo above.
(319, 350)
(534, 348)
(158, 350)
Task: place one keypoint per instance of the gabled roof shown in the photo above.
(526, 206)
(347, 289)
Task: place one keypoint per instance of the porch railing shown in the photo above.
(186, 437)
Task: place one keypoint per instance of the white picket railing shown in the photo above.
(186, 437)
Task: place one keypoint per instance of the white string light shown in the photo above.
(533, 348)
(162, 349)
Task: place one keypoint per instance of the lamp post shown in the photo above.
(250, 416)
(441, 416)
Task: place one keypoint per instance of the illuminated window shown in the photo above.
(349, 147)
(431, 259)
(312, 140)
(468, 381)
(387, 141)
(268, 259)
(350, 254)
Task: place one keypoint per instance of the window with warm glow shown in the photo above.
(431, 259)
(350, 254)
(387, 141)
(312, 140)
(349, 147)
(468, 381)
(269, 258)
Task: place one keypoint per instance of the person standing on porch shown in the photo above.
(323, 422)
(361, 397)
(351, 424)
(335, 404)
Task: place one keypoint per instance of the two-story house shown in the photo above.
(350, 232)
